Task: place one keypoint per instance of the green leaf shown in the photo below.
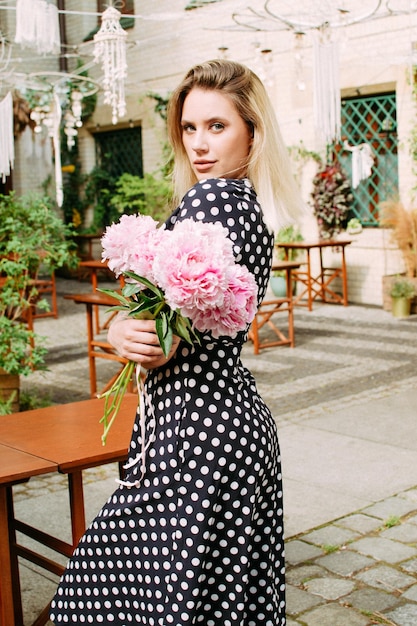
(116, 295)
(145, 282)
(131, 289)
(165, 334)
(184, 329)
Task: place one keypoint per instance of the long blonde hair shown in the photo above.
(268, 165)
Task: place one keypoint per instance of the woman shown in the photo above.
(199, 539)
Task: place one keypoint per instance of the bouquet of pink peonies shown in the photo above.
(186, 279)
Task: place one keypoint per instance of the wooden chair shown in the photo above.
(270, 308)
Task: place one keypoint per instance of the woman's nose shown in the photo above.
(199, 143)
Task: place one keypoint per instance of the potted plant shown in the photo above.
(354, 226)
(277, 280)
(402, 291)
(331, 199)
(402, 224)
(31, 234)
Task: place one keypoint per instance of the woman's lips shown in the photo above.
(203, 166)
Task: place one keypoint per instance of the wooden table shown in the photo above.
(268, 308)
(66, 439)
(96, 348)
(319, 285)
(15, 467)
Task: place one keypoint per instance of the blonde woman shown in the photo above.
(199, 538)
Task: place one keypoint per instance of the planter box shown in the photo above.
(386, 288)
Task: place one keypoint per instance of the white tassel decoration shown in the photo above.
(6, 137)
(327, 108)
(37, 26)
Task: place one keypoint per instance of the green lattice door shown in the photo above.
(371, 120)
(120, 151)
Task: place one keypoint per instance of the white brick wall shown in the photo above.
(375, 56)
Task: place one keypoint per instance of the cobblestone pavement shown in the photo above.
(358, 569)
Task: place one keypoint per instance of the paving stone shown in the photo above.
(361, 523)
(410, 566)
(385, 577)
(330, 588)
(298, 552)
(411, 593)
(371, 600)
(58, 478)
(411, 494)
(405, 615)
(330, 536)
(391, 507)
(299, 601)
(300, 574)
(334, 615)
(345, 562)
(405, 532)
(384, 549)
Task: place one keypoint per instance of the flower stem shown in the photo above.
(114, 397)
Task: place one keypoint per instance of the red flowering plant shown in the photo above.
(331, 199)
(186, 279)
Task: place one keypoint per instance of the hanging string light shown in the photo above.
(110, 49)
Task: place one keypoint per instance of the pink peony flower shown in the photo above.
(130, 245)
(191, 266)
(238, 308)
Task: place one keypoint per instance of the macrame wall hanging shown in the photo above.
(55, 134)
(362, 162)
(6, 137)
(326, 88)
(37, 26)
(110, 50)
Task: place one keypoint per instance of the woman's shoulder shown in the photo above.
(223, 200)
(222, 188)
(236, 193)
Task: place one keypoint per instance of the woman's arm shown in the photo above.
(137, 341)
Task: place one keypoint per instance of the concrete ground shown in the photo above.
(345, 403)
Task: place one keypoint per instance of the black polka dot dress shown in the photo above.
(199, 539)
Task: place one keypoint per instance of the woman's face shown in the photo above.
(216, 139)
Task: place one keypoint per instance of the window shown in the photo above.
(120, 151)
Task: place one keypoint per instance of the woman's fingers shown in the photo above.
(137, 340)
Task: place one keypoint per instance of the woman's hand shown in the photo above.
(136, 340)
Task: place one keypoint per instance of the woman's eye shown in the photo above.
(188, 128)
(217, 126)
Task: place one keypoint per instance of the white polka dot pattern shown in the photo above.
(200, 540)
